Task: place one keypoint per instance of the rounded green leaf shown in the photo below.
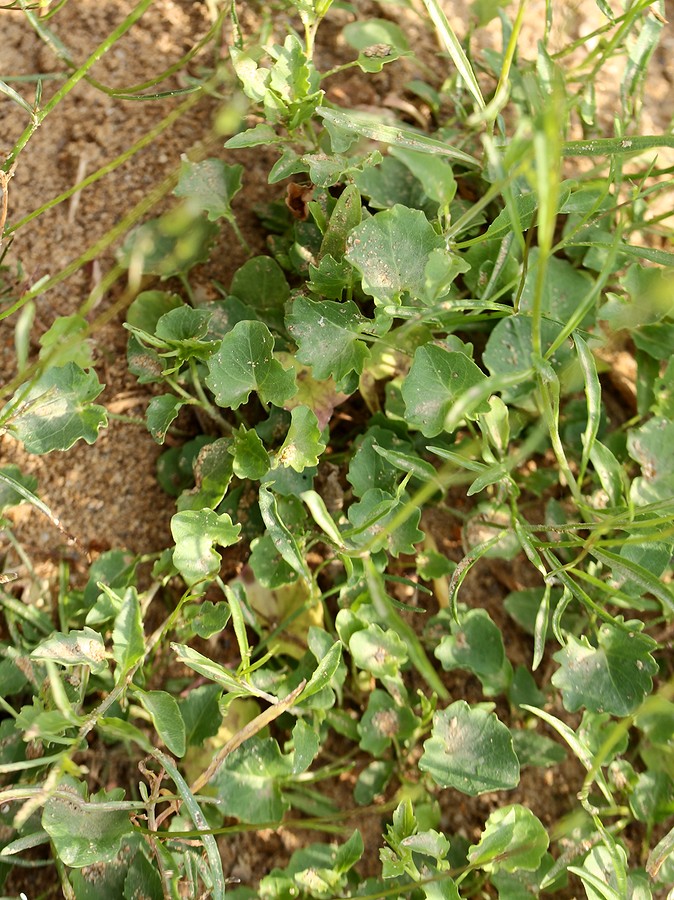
(377, 651)
(196, 533)
(244, 363)
(513, 839)
(302, 447)
(56, 411)
(437, 379)
(390, 250)
(383, 721)
(327, 337)
(475, 644)
(613, 677)
(210, 185)
(161, 412)
(470, 750)
(82, 834)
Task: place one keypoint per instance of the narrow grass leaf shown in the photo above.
(451, 42)
(200, 822)
(399, 135)
(282, 537)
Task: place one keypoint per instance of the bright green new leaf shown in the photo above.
(196, 533)
(391, 182)
(56, 410)
(369, 468)
(212, 670)
(245, 363)
(161, 412)
(436, 380)
(327, 668)
(390, 250)
(302, 447)
(306, 743)
(210, 185)
(513, 838)
(613, 677)
(209, 618)
(327, 337)
(82, 834)
(470, 750)
(76, 648)
(166, 718)
(128, 638)
(251, 459)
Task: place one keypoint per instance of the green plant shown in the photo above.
(429, 327)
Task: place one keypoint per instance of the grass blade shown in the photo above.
(449, 39)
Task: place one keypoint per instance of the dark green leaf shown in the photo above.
(161, 412)
(436, 380)
(201, 713)
(262, 286)
(128, 638)
(83, 834)
(245, 363)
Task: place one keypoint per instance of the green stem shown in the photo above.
(143, 142)
(40, 115)
(205, 402)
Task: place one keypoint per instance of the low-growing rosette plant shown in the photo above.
(427, 340)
